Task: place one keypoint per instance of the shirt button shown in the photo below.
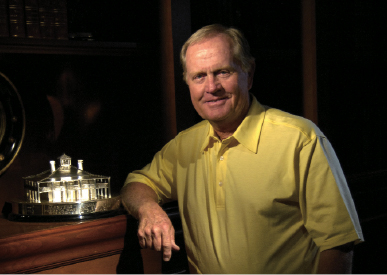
(221, 158)
(220, 183)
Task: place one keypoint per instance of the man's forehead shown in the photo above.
(222, 38)
(209, 47)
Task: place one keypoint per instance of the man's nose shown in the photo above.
(213, 84)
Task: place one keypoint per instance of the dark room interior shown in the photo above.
(115, 97)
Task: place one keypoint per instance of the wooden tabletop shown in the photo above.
(29, 247)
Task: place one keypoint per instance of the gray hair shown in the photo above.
(239, 44)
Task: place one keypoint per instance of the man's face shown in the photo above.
(218, 86)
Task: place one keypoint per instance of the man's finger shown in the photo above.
(167, 247)
(175, 247)
(149, 242)
(141, 237)
(167, 251)
(173, 243)
(142, 242)
(157, 242)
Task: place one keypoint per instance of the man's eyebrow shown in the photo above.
(192, 74)
(216, 69)
(228, 67)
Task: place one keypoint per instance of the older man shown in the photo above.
(259, 190)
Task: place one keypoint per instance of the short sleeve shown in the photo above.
(159, 173)
(325, 200)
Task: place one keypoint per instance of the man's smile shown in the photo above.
(217, 101)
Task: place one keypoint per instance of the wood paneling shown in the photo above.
(309, 60)
(167, 69)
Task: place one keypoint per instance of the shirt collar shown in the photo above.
(249, 130)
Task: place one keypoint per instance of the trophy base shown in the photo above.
(64, 211)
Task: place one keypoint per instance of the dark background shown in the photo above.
(126, 128)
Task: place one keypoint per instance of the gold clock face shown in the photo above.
(12, 123)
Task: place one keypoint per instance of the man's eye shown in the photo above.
(198, 77)
(223, 73)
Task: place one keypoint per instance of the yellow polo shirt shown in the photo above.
(267, 199)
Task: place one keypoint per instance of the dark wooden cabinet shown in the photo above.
(102, 101)
(109, 102)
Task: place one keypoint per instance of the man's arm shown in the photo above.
(155, 229)
(336, 260)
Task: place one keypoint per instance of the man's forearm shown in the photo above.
(137, 195)
(336, 260)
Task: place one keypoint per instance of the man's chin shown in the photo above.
(216, 115)
(216, 119)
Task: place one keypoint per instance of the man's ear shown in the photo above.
(251, 75)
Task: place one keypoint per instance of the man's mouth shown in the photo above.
(218, 100)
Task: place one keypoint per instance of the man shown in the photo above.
(259, 190)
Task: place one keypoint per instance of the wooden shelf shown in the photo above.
(67, 47)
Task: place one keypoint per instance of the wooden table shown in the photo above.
(98, 246)
(95, 245)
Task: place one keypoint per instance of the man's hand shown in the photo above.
(156, 231)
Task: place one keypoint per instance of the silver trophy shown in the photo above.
(64, 193)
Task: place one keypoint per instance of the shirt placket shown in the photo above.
(221, 182)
